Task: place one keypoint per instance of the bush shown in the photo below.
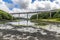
(41, 16)
(57, 15)
(58, 19)
(46, 15)
(4, 15)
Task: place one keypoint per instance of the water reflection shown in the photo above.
(22, 22)
(49, 32)
(44, 25)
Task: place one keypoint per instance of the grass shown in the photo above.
(5, 21)
(20, 25)
(51, 20)
(41, 24)
(47, 20)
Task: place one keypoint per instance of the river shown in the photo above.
(32, 31)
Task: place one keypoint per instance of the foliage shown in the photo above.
(46, 15)
(57, 15)
(5, 16)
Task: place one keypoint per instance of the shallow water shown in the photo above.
(22, 22)
(26, 33)
(48, 26)
(51, 31)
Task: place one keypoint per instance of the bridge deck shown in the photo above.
(32, 12)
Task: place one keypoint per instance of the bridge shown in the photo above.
(30, 12)
(33, 12)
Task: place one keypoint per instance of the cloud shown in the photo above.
(3, 6)
(17, 10)
(10, 6)
(44, 5)
(27, 5)
(37, 4)
(23, 4)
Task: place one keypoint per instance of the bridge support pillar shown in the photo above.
(19, 18)
(50, 14)
(27, 19)
(50, 17)
(37, 20)
(37, 15)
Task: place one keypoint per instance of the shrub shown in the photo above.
(5, 15)
(57, 15)
(46, 15)
(41, 16)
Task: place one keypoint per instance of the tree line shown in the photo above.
(5, 16)
(46, 15)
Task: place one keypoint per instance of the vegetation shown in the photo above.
(40, 16)
(5, 16)
(45, 16)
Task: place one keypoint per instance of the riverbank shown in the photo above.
(5, 21)
(27, 33)
(57, 20)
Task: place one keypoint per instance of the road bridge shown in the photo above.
(33, 12)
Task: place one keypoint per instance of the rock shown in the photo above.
(13, 36)
(7, 35)
(1, 34)
(31, 38)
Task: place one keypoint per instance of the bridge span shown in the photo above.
(33, 13)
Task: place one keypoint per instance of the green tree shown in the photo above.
(5, 15)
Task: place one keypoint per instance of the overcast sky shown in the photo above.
(28, 5)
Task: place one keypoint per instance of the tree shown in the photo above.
(5, 15)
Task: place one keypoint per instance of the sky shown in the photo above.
(28, 5)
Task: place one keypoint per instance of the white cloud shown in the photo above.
(44, 5)
(16, 10)
(54, 6)
(3, 6)
(36, 5)
(9, 5)
(26, 5)
(22, 3)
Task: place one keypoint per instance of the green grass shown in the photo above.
(47, 20)
(5, 21)
(51, 20)
(5, 16)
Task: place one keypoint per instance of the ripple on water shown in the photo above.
(29, 29)
(6, 27)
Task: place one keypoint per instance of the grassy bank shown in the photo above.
(6, 17)
(51, 20)
(57, 20)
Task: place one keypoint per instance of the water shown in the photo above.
(22, 22)
(26, 33)
(48, 26)
(32, 31)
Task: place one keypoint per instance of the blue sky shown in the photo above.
(17, 6)
(10, 1)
